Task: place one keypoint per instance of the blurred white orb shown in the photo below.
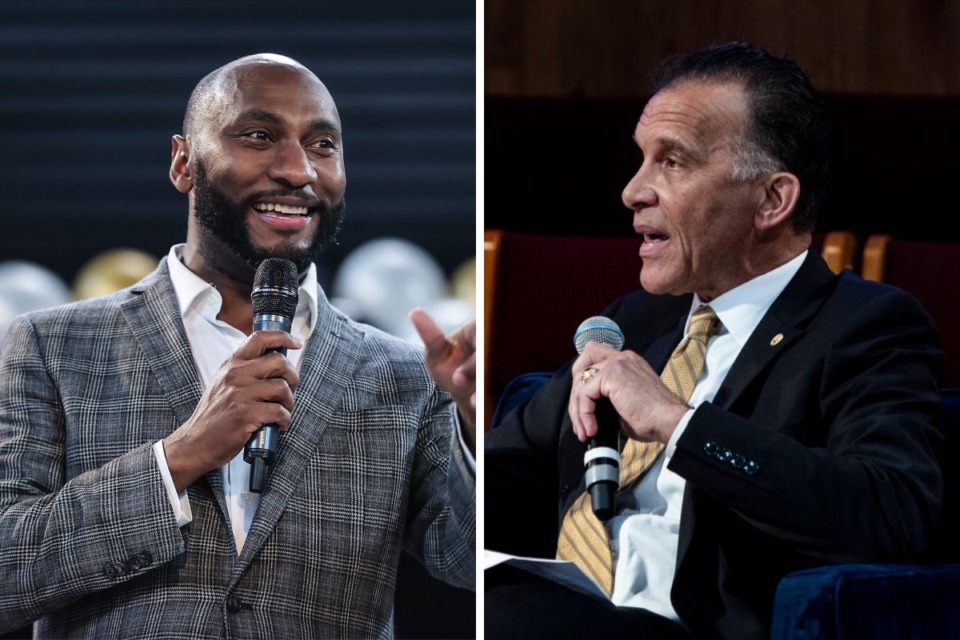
(386, 278)
(27, 286)
(449, 313)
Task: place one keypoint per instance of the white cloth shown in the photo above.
(645, 533)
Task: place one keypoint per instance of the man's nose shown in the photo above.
(638, 194)
(291, 165)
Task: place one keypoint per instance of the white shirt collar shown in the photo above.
(193, 291)
(741, 309)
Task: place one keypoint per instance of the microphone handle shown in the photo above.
(261, 448)
(603, 461)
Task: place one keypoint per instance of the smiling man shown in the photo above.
(772, 415)
(125, 504)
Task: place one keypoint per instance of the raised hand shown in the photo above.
(452, 363)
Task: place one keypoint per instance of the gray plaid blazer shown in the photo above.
(88, 543)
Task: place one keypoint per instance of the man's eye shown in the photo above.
(259, 135)
(323, 143)
(671, 163)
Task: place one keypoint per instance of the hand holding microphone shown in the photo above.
(253, 389)
(617, 391)
(602, 459)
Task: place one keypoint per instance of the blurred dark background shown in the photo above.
(91, 92)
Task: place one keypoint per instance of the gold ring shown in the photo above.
(589, 373)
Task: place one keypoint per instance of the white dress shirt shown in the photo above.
(645, 533)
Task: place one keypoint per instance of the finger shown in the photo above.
(467, 335)
(573, 408)
(269, 365)
(583, 402)
(466, 373)
(276, 390)
(259, 342)
(434, 342)
(273, 413)
(593, 353)
(586, 408)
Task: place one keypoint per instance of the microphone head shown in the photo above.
(275, 287)
(598, 329)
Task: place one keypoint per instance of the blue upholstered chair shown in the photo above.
(885, 601)
(858, 601)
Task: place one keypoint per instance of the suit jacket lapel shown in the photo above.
(154, 318)
(783, 324)
(332, 354)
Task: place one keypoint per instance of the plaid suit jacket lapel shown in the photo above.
(153, 316)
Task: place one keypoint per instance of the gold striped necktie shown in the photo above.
(583, 539)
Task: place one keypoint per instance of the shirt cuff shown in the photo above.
(681, 427)
(471, 462)
(179, 503)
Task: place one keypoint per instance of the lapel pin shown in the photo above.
(776, 340)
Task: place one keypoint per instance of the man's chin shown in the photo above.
(300, 256)
(656, 283)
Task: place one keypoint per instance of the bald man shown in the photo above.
(126, 509)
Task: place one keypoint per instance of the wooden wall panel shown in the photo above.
(570, 48)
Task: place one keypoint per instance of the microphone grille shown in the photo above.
(275, 288)
(598, 329)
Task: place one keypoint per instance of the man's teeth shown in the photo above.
(280, 208)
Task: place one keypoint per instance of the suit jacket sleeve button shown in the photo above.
(139, 561)
(751, 468)
(110, 571)
(724, 454)
(710, 448)
(738, 461)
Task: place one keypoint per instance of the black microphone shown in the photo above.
(602, 459)
(274, 300)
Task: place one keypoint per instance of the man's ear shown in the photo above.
(779, 199)
(181, 168)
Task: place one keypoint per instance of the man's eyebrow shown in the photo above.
(322, 124)
(670, 144)
(262, 115)
(673, 144)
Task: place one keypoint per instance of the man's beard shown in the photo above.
(227, 220)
